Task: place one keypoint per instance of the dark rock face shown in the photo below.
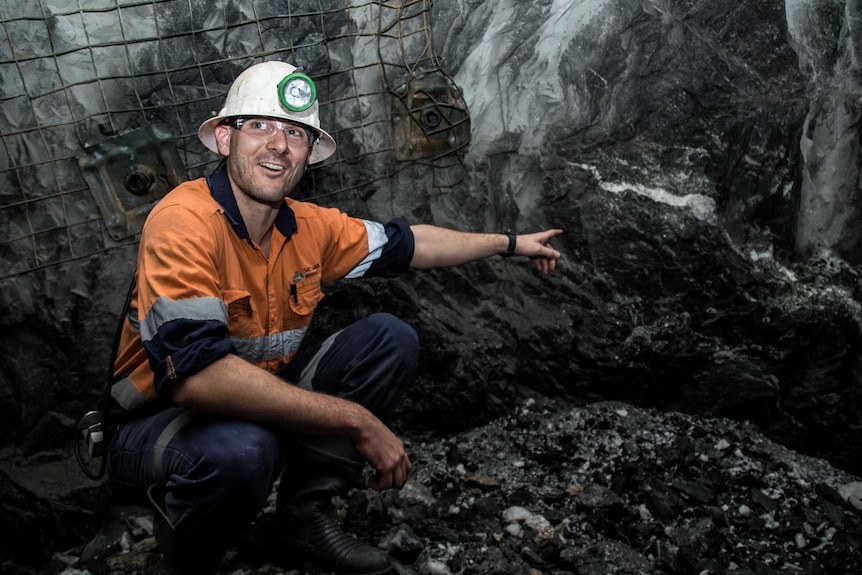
(667, 139)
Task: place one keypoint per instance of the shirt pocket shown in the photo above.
(304, 296)
(240, 312)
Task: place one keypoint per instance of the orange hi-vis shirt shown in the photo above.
(204, 289)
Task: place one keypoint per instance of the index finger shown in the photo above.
(552, 233)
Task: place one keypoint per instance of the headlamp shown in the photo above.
(296, 92)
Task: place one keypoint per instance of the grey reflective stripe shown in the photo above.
(310, 370)
(273, 346)
(377, 238)
(127, 395)
(195, 309)
(168, 433)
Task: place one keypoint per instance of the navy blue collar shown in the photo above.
(222, 193)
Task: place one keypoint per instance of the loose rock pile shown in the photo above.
(602, 489)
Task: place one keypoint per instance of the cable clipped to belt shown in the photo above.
(93, 428)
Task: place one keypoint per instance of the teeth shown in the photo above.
(271, 166)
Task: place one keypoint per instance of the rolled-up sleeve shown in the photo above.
(390, 249)
(182, 337)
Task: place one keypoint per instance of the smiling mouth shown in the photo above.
(270, 166)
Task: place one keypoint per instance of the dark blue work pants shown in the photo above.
(219, 472)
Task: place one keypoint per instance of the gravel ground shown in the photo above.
(602, 489)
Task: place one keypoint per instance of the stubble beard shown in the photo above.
(243, 177)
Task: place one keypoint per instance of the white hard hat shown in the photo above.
(272, 90)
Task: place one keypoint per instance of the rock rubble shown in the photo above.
(600, 489)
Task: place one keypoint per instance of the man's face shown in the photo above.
(265, 166)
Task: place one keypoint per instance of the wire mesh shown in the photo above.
(76, 72)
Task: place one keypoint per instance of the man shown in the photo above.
(212, 395)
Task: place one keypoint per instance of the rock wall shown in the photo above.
(826, 39)
(671, 141)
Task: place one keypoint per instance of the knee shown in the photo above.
(399, 337)
(243, 464)
(248, 449)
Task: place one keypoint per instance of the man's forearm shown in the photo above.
(233, 387)
(440, 247)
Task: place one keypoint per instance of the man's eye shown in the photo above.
(293, 132)
(258, 125)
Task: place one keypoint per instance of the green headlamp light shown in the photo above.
(296, 92)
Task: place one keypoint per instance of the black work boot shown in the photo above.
(317, 470)
(313, 530)
(185, 551)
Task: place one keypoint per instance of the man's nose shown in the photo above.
(278, 141)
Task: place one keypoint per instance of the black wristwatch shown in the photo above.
(513, 239)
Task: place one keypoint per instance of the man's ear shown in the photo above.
(222, 137)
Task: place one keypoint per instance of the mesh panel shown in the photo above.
(76, 72)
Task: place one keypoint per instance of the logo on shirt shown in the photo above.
(312, 271)
(297, 276)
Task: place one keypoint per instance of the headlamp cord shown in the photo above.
(102, 405)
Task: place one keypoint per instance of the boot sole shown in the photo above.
(307, 552)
